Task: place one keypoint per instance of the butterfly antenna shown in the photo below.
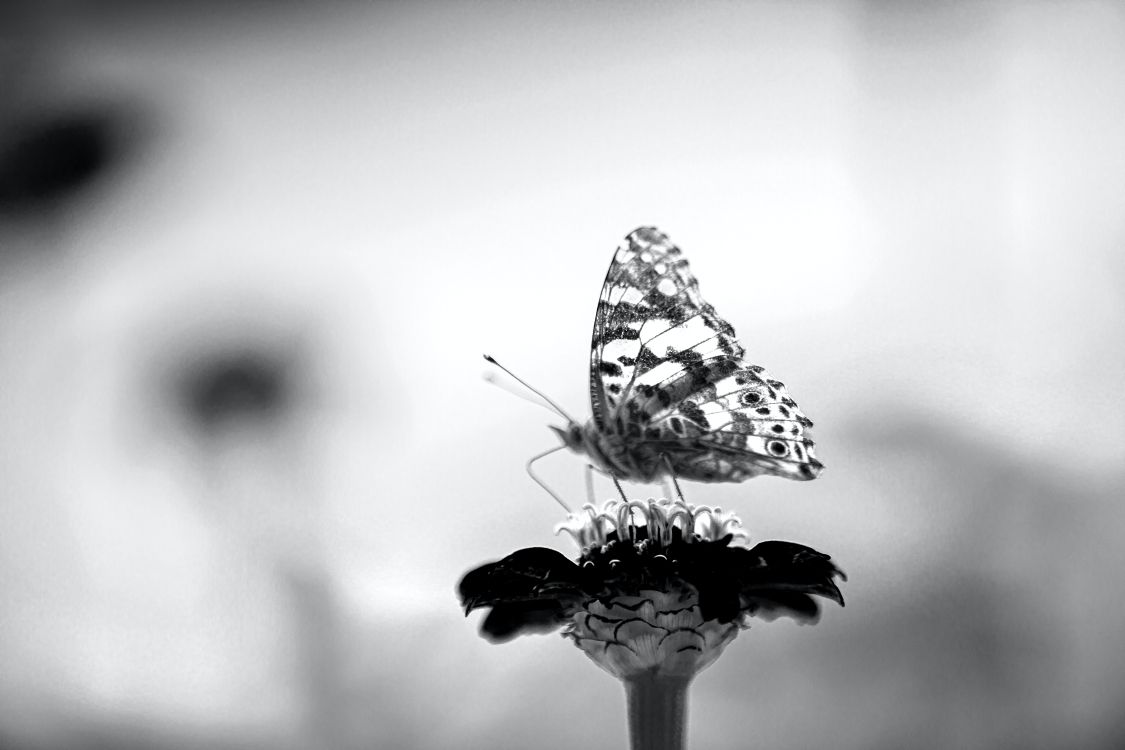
(555, 407)
(493, 380)
(543, 484)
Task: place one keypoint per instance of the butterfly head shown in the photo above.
(573, 436)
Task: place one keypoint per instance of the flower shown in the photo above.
(660, 588)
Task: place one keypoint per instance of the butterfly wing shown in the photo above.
(740, 426)
(650, 303)
(668, 376)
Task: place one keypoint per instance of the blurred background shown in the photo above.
(251, 254)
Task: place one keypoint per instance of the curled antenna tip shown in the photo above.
(488, 358)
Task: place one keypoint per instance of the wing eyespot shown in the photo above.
(750, 398)
(778, 448)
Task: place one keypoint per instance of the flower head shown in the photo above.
(660, 588)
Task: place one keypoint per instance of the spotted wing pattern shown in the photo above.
(668, 378)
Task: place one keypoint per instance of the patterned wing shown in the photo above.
(668, 377)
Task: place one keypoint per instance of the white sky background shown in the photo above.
(911, 214)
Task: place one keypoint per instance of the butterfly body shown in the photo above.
(612, 453)
(669, 387)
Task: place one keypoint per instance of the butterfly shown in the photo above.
(670, 390)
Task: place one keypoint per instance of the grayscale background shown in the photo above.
(251, 254)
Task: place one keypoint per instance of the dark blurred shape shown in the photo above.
(1005, 642)
(250, 385)
(47, 160)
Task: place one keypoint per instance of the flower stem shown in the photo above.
(657, 711)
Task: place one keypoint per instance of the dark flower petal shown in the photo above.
(530, 590)
(787, 566)
(719, 600)
(524, 574)
(510, 619)
(710, 568)
(770, 606)
(538, 589)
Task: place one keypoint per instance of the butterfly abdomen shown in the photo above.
(615, 452)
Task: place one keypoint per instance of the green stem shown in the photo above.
(657, 711)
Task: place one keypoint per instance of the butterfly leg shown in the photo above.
(540, 482)
(672, 476)
(617, 484)
(590, 469)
